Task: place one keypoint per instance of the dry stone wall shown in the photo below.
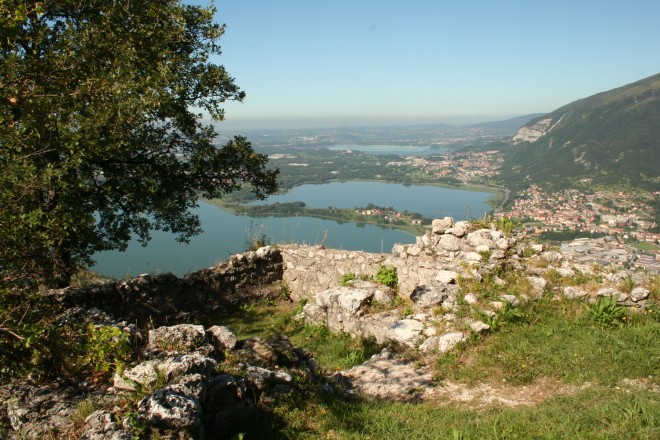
(164, 298)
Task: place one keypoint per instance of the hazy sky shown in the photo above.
(309, 63)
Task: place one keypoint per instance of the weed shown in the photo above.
(387, 276)
(606, 312)
(627, 284)
(505, 225)
(486, 254)
(255, 238)
(347, 279)
(528, 252)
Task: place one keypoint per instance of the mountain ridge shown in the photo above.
(612, 137)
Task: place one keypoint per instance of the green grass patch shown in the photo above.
(561, 340)
(595, 413)
(645, 246)
(333, 351)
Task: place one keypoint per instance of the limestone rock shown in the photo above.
(354, 300)
(639, 294)
(511, 299)
(470, 298)
(571, 292)
(479, 327)
(441, 225)
(100, 425)
(171, 407)
(221, 337)
(482, 237)
(449, 243)
(183, 365)
(443, 343)
(406, 332)
(538, 285)
(428, 296)
(175, 339)
(459, 229)
(607, 291)
(446, 276)
(143, 374)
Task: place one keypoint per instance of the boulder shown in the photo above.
(406, 332)
(439, 226)
(428, 296)
(221, 337)
(479, 327)
(101, 425)
(449, 243)
(639, 294)
(171, 407)
(175, 339)
(446, 276)
(443, 343)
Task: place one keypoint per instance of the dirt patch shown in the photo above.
(486, 394)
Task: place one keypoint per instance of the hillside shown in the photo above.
(611, 137)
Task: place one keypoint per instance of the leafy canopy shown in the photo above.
(101, 128)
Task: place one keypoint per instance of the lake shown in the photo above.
(399, 150)
(226, 234)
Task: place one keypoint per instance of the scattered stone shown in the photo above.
(470, 298)
(440, 226)
(443, 343)
(639, 294)
(538, 285)
(607, 291)
(511, 299)
(100, 425)
(175, 339)
(446, 276)
(406, 332)
(571, 292)
(171, 407)
(221, 337)
(428, 296)
(479, 327)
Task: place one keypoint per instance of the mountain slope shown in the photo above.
(611, 137)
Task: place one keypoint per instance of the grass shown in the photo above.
(645, 246)
(333, 351)
(555, 340)
(596, 413)
(562, 341)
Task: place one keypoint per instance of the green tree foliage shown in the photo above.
(101, 130)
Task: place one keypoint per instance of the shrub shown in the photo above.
(387, 276)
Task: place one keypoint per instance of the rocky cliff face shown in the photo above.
(535, 131)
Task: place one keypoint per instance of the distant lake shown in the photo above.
(226, 234)
(399, 150)
(430, 201)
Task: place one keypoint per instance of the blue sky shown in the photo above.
(309, 63)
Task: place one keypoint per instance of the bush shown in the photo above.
(387, 276)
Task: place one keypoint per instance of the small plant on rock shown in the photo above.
(347, 279)
(505, 224)
(387, 276)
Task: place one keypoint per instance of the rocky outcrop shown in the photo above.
(164, 299)
(532, 133)
(203, 379)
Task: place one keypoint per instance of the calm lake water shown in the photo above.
(399, 150)
(226, 234)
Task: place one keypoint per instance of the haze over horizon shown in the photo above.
(347, 63)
